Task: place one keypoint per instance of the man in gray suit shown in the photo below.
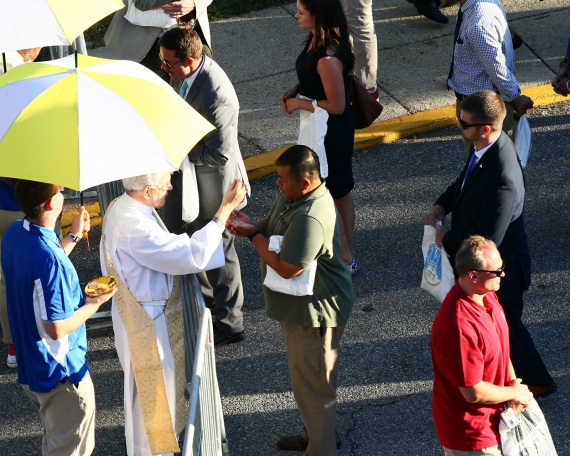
(140, 44)
(217, 161)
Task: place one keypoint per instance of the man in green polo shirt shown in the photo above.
(311, 325)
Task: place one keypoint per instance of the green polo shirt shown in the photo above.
(310, 231)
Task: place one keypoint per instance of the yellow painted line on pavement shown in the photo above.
(383, 132)
(390, 130)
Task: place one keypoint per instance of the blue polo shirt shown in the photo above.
(41, 287)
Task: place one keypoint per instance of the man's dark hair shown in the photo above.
(302, 162)
(184, 41)
(31, 196)
(485, 107)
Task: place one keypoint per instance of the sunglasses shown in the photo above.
(168, 64)
(465, 125)
(498, 272)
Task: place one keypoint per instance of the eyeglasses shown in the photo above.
(162, 188)
(465, 125)
(498, 272)
(168, 64)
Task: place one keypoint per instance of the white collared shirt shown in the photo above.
(146, 257)
(190, 79)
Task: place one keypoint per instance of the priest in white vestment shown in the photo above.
(146, 257)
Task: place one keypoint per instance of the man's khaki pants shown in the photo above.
(491, 451)
(313, 366)
(68, 417)
(364, 42)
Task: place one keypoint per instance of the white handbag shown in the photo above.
(190, 197)
(522, 139)
(312, 131)
(437, 274)
(302, 285)
(152, 18)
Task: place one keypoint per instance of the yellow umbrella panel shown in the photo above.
(101, 122)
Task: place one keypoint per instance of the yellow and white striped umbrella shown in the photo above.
(26, 24)
(100, 122)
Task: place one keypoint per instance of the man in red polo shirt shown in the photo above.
(474, 380)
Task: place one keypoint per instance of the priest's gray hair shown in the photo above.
(138, 183)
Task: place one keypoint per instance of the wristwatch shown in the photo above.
(73, 237)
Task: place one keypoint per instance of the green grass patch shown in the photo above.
(218, 10)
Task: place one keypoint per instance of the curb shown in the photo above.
(382, 132)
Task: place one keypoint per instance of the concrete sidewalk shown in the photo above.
(258, 52)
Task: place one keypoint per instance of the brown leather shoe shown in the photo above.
(542, 391)
(296, 443)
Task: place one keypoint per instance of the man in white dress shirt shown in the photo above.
(145, 258)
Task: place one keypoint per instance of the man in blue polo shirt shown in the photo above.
(47, 312)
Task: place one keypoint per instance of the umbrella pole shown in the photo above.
(4, 62)
(76, 67)
(81, 197)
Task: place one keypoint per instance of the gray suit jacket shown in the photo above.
(132, 42)
(217, 157)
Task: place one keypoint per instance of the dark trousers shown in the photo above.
(524, 355)
(222, 287)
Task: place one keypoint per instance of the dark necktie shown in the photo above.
(470, 167)
(455, 38)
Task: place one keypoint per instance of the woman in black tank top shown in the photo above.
(322, 70)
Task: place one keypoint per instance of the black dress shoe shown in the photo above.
(296, 443)
(542, 391)
(225, 338)
(430, 10)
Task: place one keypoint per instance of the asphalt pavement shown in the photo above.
(385, 372)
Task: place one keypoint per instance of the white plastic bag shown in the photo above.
(522, 138)
(437, 275)
(312, 131)
(152, 18)
(190, 197)
(301, 285)
(530, 437)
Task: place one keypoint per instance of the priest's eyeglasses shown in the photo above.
(498, 273)
(162, 188)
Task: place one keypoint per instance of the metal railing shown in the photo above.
(205, 429)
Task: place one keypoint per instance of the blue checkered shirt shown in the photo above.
(483, 58)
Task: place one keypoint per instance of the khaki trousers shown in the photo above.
(491, 451)
(6, 219)
(68, 418)
(313, 366)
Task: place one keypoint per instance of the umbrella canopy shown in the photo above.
(100, 122)
(26, 24)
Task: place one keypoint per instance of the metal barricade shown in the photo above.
(205, 429)
(108, 192)
(105, 193)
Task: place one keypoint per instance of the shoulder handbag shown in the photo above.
(152, 18)
(363, 107)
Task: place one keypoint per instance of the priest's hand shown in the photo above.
(233, 198)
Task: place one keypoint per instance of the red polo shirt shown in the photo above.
(469, 344)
